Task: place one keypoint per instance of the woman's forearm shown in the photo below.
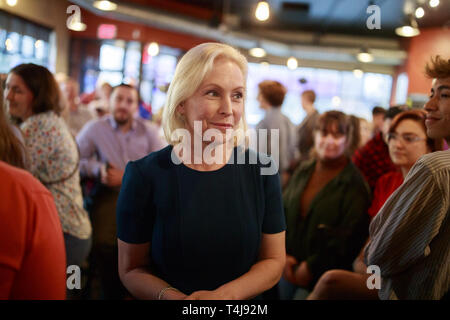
(262, 276)
(143, 285)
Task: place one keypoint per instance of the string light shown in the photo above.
(262, 12)
(153, 49)
(292, 63)
(105, 5)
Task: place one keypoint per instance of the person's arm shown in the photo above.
(358, 265)
(33, 147)
(90, 166)
(404, 228)
(262, 276)
(135, 274)
(135, 219)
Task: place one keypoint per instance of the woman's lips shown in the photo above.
(222, 125)
(398, 154)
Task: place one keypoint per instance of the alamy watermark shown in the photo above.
(374, 281)
(374, 20)
(73, 277)
(75, 15)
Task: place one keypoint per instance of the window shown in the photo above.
(157, 73)
(335, 89)
(22, 41)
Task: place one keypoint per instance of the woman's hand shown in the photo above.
(303, 275)
(208, 295)
(288, 272)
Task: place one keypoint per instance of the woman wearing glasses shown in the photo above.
(407, 141)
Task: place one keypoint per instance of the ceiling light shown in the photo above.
(262, 12)
(11, 3)
(38, 44)
(105, 5)
(365, 56)
(265, 63)
(420, 12)
(292, 63)
(409, 29)
(77, 26)
(434, 3)
(336, 101)
(358, 73)
(153, 49)
(257, 52)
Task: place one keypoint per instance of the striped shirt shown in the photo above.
(410, 236)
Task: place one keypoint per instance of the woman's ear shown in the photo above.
(180, 109)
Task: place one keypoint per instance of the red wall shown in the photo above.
(430, 42)
(147, 34)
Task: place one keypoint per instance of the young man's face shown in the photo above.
(438, 110)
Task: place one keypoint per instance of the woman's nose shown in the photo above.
(225, 106)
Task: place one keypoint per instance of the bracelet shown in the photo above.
(161, 293)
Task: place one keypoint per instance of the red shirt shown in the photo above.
(373, 159)
(32, 252)
(384, 187)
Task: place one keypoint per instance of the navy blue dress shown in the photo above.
(205, 228)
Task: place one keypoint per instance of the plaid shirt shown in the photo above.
(373, 160)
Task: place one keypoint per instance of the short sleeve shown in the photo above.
(274, 221)
(134, 214)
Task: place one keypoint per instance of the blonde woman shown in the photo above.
(196, 229)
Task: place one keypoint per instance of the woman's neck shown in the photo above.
(404, 170)
(332, 164)
(210, 161)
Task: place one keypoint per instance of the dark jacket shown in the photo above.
(336, 226)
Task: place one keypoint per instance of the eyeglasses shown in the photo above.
(405, 138)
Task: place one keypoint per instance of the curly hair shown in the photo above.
(438, 68)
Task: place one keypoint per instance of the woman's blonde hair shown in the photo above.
(189, 74)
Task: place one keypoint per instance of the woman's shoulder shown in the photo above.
(154, 161)
(355, 176)
(252, 158)
(389, 177)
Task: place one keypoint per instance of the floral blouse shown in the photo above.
(54, 161)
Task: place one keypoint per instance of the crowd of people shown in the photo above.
(87, 182)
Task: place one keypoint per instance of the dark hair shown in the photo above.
(125, 85)
(339, 118)
(378, 110)
(355, 133)
(393, 111)
(417, 115)
(310, 95)
(12, 150)
(273, 92)
(438, 68)
(43, 86)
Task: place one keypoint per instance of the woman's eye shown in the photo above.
(212, 93)
(238, 95)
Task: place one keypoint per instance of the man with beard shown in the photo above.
(106, 146)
